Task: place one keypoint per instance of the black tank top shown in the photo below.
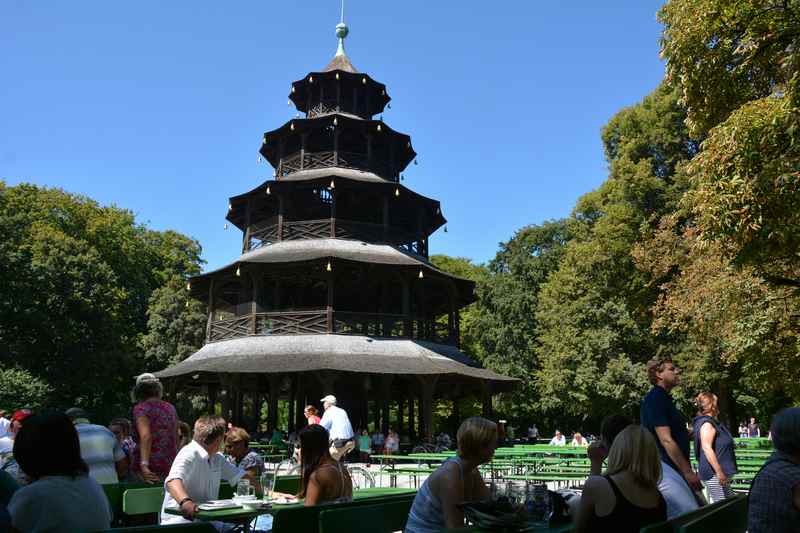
(626, 517)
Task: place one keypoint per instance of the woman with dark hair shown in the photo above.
(713, 448)
(155, 431)
(325, 480)
(62, 496)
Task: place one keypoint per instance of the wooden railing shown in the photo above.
(316, 322)
(266, 233)
(329, 159)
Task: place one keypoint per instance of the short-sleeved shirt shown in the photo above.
(100, 450)
(201, 474)
(251, 461)
(364, 443)
(55, 504)
(336, 421)
(753, 430)
(770, 506)
(658, 410)
(164, 432)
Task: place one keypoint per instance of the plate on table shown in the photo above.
(218, 505)
(284, 500)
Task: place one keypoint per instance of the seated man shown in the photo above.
(197, 471)
(558, 439)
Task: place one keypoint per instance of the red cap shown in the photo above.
(21, 415)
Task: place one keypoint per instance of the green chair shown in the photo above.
(379, 518)
(147, 501)
(194, 527)
(731, 518)
(287, 484)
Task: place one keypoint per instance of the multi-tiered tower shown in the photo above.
(333, 292)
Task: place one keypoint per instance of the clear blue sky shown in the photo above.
(159, 107)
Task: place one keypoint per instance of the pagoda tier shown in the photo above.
(339, 90)
(337, 140)
(335, 204)
(332, 286)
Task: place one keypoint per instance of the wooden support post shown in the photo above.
(385, 384)
(291, 405)
(333, 213)
(300, 404)
(412, 429)
(428, 384)
(280, 216)
(274, 393)
(303, 137)
(247, 216)
(407, 325)
(329, 308)
(385, 214)
(400, 425)
(210, 309)
(336, 147)
(212, 398)
(486, 400)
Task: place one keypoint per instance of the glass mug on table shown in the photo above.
(244, 489)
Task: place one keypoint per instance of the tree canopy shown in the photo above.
(75, 288)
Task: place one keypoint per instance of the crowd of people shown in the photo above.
(61, 459)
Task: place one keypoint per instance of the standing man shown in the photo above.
(5, 423)
(659, 415)
(753, 430)
(100, 449)
(336, 421)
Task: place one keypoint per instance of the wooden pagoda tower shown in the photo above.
(333, 292)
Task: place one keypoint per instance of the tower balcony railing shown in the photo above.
(329, 159)
(320, 322)
(270, 231)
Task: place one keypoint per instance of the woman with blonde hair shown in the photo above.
(626, 498)
(437, 505)
(713, 448)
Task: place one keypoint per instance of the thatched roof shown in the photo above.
(344, 353)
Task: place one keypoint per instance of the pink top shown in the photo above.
(164, 432)
(313, 419)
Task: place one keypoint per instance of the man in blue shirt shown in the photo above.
(336, 421)
(659, 415)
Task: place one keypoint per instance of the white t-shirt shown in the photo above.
(201, 474)
(56, 504)
(6, 444)
(558, 441)
(5, 425)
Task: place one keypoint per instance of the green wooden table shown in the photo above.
(534, 528)
(242, 513)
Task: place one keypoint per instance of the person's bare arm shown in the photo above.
(707, 434)
(145, 445)
(585, 511)
(674, 452)
(122, 467)
(597, 453)
(178, 493)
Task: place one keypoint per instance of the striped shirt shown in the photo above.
(100, 450)
(771, 507)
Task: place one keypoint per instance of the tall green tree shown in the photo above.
(735, 64)
(594, 327)
(505, 325)
(75, 287)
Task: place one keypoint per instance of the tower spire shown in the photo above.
(341, 32)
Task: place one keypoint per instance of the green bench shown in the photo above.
(731, 518)
(297, 518)
(378, 518)
(676, 525)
